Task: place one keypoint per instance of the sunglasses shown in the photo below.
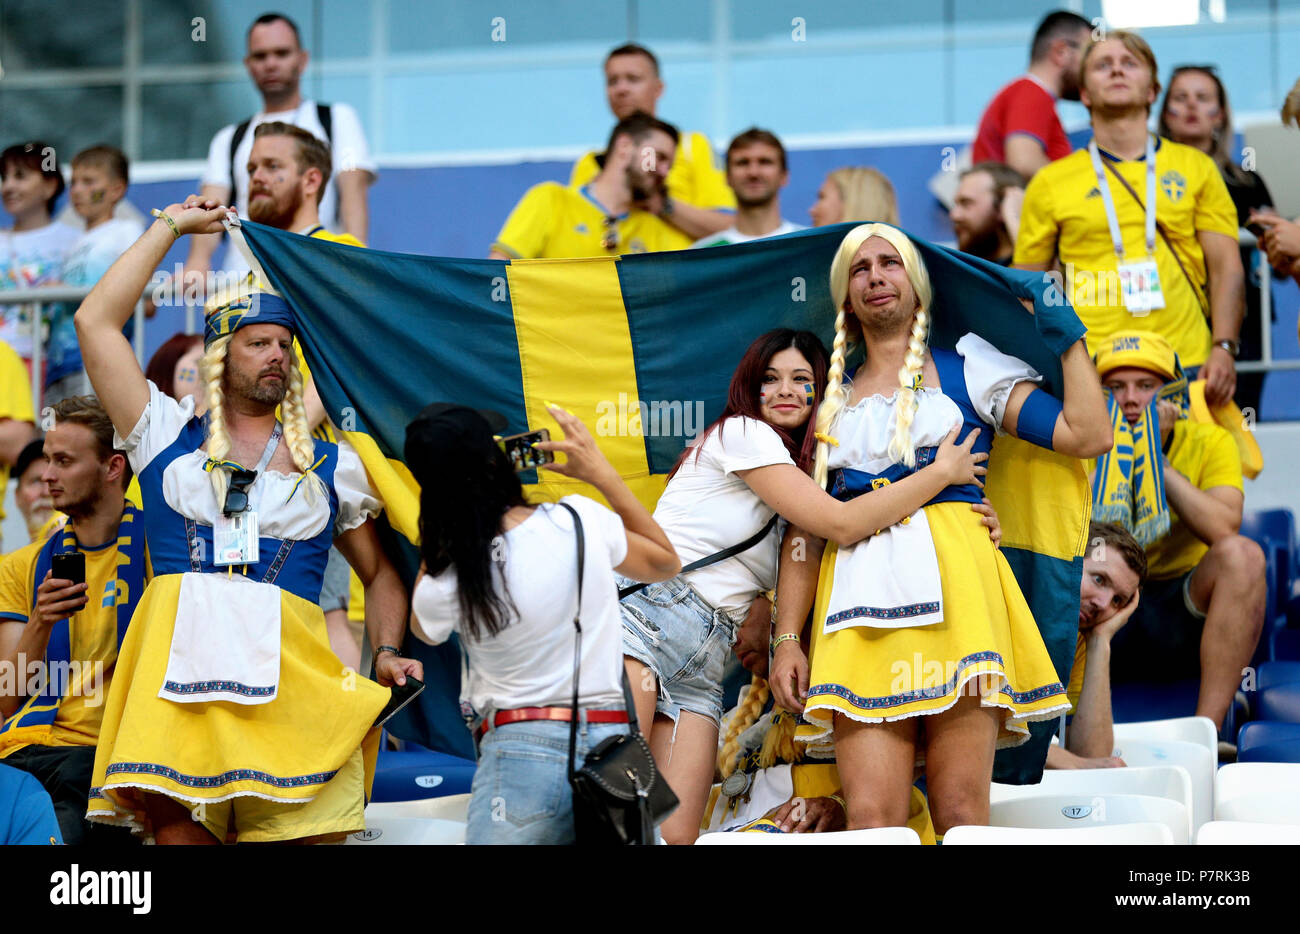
(237, 492)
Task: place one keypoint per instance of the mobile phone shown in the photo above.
(521, 453)
(70, 566)
(403, 694)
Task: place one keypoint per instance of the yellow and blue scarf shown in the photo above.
(38, 714)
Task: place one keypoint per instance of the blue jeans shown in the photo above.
(521, 792)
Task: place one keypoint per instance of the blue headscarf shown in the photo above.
(254, 308)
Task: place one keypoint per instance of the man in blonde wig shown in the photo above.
(229, 716)
(924, 622)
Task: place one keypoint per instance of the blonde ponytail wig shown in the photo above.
(836, 395)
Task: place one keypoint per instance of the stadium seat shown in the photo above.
(881, 836)
(1154, 700)
(1237, 833)
(408, 831)
(1198, 730)
(1139, 834)
(1171, 782)
(1092, 809)
(1269, 741)
(1258, 792)
(1199, 762)
(413, 773)
(1271, 674)
(1276, 527)
(1284, 644)
(1280, 702)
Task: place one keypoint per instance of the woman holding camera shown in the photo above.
(503, 574)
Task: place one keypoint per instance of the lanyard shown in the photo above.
(1103, 186)
(271, 444)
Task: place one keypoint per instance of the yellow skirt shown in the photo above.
(988, 635)
(300, 765)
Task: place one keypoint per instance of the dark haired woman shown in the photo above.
(503, 574)
(174, 369)
(751, 464)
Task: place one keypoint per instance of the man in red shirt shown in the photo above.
(1020, 126)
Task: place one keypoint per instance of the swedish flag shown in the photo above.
(627, 343)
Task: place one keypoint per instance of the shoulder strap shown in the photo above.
(714, 558)
(1160, 228)
(240, 132)
(326, 118)
(577, 637)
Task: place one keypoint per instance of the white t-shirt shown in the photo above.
(707, 508)
(30, 258)
(529, 663)
(348, 149)
(732, 235)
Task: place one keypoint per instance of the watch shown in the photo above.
(1232, 347)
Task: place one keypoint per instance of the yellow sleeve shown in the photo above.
(1215, 211)
(584, 170)
(15, 387)
(707, 183)
(16, 582)
(1221, 460)
(1039, 232)
(529, 225)
(344, 238)
(1075, 688)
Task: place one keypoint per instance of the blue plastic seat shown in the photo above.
(1280, 702)
(1284, 644)
(1271, 674)
(1269, 741)
(1145, 700)
(414, 773)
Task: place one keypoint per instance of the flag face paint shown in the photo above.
(615, 339)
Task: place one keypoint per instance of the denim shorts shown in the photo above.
(684, 640)
(521, 792)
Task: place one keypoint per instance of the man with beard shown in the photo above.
(276, 61)
(603, 217)
(1020, 126)
(229, 715)
(756, 172)
(985, 213)
(59, 638)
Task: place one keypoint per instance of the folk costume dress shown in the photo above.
(227, 696)
(904, 619)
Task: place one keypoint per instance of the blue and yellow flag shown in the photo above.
(642, 348)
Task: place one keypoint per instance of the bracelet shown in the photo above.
(380, 650)
(840, 801)
(785, 637)
(176, 233)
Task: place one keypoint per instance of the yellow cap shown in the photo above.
(1144, 349)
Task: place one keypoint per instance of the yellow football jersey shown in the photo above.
(15, 400)
(694, 177)
(554, 222)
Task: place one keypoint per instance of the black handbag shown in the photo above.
(619, 794)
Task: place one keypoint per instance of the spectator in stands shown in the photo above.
(516, 620)
(1280, 238)
(694, 197)
(1020, 126)
(289, 721)
(1114, 569)
(1204, 599)
(727, 490)
(99, 182)
(17, 420)
(74, 628)
(1107, 255)
(36, 245)
(26, 813)
(174, 369)
(275, 61)
(756, 173)
(32, 494)
(855, 193)
(603, 217)
(985, 213)
(1196, 113)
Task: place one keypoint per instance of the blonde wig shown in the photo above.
(900, 446)
(745, 716)
(867, 193)
(293, 416)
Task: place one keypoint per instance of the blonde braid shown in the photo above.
(833, 399)
(212, 367)
(745, 716)
(900, 446)
(297, 436)
(778, 742)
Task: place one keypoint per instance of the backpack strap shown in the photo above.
(326, 118)
(240, 132)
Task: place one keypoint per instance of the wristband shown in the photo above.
(840, 801)
(785, 637)
(176, 233)
(380, 650)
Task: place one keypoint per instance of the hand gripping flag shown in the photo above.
(642, 348)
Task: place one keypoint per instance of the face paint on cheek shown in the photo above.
(97, 196)
(187, 374)
(763, 396)
(809, 392)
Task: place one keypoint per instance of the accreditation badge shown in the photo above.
(234, 538)
(1140, 286)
